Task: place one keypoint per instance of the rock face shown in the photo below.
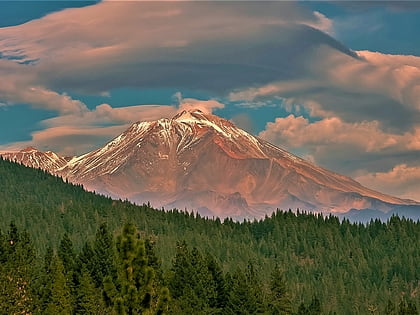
(203, 162)
(32, 157)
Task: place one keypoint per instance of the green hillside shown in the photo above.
(287, 263)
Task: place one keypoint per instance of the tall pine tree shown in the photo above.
(60, 301)
(133, 292)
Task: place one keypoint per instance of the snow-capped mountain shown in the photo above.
(32, 157)
(205, 163)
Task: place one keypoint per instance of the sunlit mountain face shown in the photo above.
(204, 163)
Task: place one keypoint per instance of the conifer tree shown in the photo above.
(103, 258)
(242, 299)
(133, 292)
(255, 286)
(110, 292)
(279, 300)
(84, 260)
(60, 301)
(16, 272)
(44, 282)
(160, 293)
(219, 300)
(191, 282)
(88, 301)
(66, 254)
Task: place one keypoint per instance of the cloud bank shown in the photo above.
(354, 112)
(77, 133)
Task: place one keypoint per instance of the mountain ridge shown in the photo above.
(202, 162)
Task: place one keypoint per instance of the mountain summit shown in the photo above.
(205, 163)
(32, 157)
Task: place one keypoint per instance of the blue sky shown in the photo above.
(334, 82)
(389, 27)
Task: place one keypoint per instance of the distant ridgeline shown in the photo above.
(68, 251)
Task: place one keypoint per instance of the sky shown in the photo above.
(337, 83)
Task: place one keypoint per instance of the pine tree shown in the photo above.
(66, 254)
(88, 301)
(133, 292)
(160, 294)
(103, 258)
(110, 292)
(84, 260)
(16, 272)
(279, 301)
(44, 282)
(218, 302)
(191, 283)
(242, 299)
(60, 301)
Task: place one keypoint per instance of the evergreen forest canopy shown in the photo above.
(67, 251)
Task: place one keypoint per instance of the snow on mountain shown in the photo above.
(203, 162)
(32, 157)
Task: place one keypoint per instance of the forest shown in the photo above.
(67, 251)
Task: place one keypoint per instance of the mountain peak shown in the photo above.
(192, 117)
(33, 157)
(29, 149)
(198, 160)
(192, 114)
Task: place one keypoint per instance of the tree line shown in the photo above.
(339, 266)
(125, 276)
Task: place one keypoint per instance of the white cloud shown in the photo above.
(106, 29)
(401, 180)
(149, 44)
(395, 61)
(191, 103)
(354, 149)
(395, 76)
(20, 87)
(328, 133)
(73, 140)
(104, 114)
(77, 133)
(375, 87)
(323, 23)
(273, 89)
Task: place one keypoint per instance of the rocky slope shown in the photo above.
(32, 157)
(203, 162)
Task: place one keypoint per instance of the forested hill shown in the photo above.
(327, 265)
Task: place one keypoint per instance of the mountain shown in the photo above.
(32, 157)
(205, 163)
(366, 215)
